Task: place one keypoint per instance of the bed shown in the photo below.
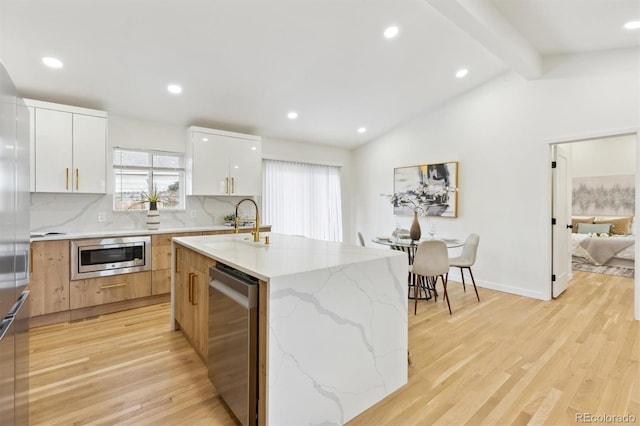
(594, 249)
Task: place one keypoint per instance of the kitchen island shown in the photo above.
(333, 322)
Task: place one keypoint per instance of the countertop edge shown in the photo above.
(192, 244)
(135, 232)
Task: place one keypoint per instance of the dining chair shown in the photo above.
(411, 282)
(431, 262)
(361, 238)
(466, 260)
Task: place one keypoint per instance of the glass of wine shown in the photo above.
(432, 230)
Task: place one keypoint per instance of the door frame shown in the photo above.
(559, 224)
(601, 135)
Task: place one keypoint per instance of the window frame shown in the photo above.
(150, 171)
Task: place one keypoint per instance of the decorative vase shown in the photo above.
(414, 231)
(153, 216)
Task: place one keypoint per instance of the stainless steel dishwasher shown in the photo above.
(233, 340)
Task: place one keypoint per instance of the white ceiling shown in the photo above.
(244, 64)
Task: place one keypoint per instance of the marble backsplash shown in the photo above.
(80, 213)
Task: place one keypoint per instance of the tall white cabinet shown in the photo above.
(223, 163)
(69, 147)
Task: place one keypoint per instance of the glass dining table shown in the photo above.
(410, 246)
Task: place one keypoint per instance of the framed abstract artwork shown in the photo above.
(431, 189)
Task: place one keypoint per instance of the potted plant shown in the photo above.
(230, 219)
(153, 198)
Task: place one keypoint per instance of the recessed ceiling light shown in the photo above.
(362, 129)
(632, 25)
(205, 139)
(52, 62)
(391, 32)
(292, 115)
(253, 148)
(462, 73)
(174, 88)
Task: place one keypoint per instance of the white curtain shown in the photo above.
(302, 199)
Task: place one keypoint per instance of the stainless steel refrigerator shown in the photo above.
(14, 255)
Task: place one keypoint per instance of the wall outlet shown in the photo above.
(193, 213)
(102, 216)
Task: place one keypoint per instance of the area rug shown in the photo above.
(608, 270)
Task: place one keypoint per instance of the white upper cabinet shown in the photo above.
(68, 148)
(223, 163)
(89, 153)
(32, 149)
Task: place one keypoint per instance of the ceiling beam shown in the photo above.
(480, 20)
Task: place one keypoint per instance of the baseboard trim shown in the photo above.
(454, 275)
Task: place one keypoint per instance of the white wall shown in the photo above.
(79, 212)
(500, 134)
(604, 157)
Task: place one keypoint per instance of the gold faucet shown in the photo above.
(256, 231)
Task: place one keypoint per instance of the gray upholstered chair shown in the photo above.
(467, 259)
(432, 262)
(361, 238)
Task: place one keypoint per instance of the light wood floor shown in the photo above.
(506, 360)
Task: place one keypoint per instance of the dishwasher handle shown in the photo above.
(248, 301)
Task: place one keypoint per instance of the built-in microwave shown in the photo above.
(109, 256)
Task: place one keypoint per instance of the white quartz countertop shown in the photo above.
(285, 255)
(45, 236)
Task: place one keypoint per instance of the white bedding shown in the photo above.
(624, 257)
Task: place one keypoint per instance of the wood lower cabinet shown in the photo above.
(192, 297)
(55, 298)
(49, 277)
(161, 261)
(115, 288)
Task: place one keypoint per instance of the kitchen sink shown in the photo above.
(235, 244)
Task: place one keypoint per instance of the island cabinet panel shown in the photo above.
(49, 277)
(161, 261)
(161, 256)
(115, 288)
(191, 298)
(318, 300)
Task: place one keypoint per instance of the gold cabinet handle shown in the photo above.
(227, 190)
(195, 302)
(30, 260)
(191, 287)
(103, 287)
(175, 267)
(77, 179)
(66, 182)
(233, 185)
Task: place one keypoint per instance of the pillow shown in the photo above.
(594, 228)
(575, 220)
(620, 225)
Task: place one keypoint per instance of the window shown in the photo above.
(138, 173)
(302, 199)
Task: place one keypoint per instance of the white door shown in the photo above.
(560, 232)
(245, 167)
(53, 137)
(89, 155)
(210, 164)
